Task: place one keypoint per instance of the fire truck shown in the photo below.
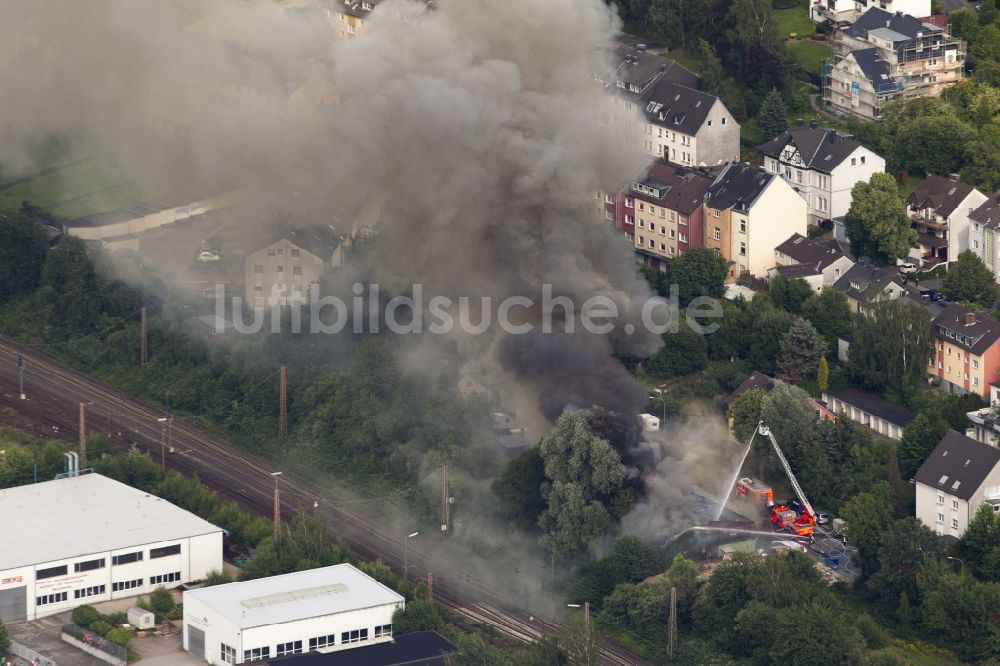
(796, 517)
(759, 491)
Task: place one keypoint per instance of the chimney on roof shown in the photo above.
(954, 177)
(799, 121)
(812, 123)
(833, 136)
(888, 22)
(970, 318)
(640, 47)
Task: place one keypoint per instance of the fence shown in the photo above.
(96, 645)
(28, 654)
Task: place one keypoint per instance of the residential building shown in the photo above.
(325, 609)
(86, 538)
(984, 424)
(864, 282)
(808, 273)
(870, 410)
(823, 257)
(841, 12)
(687, 126)
(958, 477)
(282, 272)
(984, 239)
(663, 207)
(748, 213)
(350, 17)
(822, 165)
(884, 56)
(967, 351)
(939, 210)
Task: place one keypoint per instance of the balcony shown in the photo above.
(924, 225)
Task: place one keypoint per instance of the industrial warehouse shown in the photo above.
(321, 610)
(87, 538)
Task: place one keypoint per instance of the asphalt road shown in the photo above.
(54, 392)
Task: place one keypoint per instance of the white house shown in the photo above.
(940, 209)
(822, 165)
(960, 475)
(984, 424)
(686, 126)
(328, 609)
(984, 233)
(822, 256)
(86, 539)
(847, 11)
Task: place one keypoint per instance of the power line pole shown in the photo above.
(163, 444)
(283, 407)
(277, 508)
(143, 348)
(83, 436)
(672, 627)
(20, 373)
(430, 586)
(445, 501)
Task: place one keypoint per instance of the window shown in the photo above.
(127, 558)
(682, 238)
(954, 523)
(270, 252)
(355, 636)
(609, 199)
(715, 213)
(281, 252)
(47, 599)
(975, 381)
(663, 248)
(652, 209)
(723, 121)
(975, 245)
(798, 176)
(862, 159)
(672, 234)
(663, 230)
(383, 631)
(716, 233)
(126, 585)
(228, 653)
(89, 591)
(709, 123)
(743, 248)
(165, 578)
(51, 572)
(652, 243)
(743, 226)
(258, 268)
(164, 551)
(940, 499)
(281, 269)
(854, 161)
(322, 641)
(256, 654)
(89, 565)
(295, 252)
(954, 504)
(940, 518)
(295, 647)
(642, 222)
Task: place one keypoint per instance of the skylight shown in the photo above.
(955, 485)
(943, 480)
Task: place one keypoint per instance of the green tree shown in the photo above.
(982, 535)
(822, 375)
(161, 601)
(753, 25)
(585, 474)
(682, 353)
(876, 222)
(830, 313)
(745, 413)
(4, 639)
(545, 652)
(787, 411)
(72, 286)
(419, 615)
(773, 115)
(698, 272)
(22, 252)
(767, 329)
(905, 545)
(789, 295)
(919, 439)
(714, 79)
(639, 560)
(216, 577)
(120, 635)
(801, 350)
(678, 22)
(84, 616)
(519, 487)
(891, 346)
(969, 281)
(866, 518)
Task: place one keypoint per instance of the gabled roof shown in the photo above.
(958, 465)
(820, 149)
(872, 404)
(871, 63)
(898, 27)
(820, 253)
(737, 186)
(939, 193)
(677, 188)
(865, 276)
(637, 66)
(988, 214)
(975, 332)
(318, 241)
(757, 380)
(676, 107)
(798, 271)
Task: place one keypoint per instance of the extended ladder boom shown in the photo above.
(764, 430)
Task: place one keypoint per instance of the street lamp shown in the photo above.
(20, 373)
(167, 438)
(586, 615)
(277, 508)
(406, 554)
(959, 560)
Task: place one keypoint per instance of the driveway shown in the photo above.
(43, 636)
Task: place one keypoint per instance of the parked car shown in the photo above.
(907, 267)
(932, 295)
(822, 517)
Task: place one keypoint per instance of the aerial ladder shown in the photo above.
(782, 515)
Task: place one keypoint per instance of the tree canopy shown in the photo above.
(969, 281)
(876, 222)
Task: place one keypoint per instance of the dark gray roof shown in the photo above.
(941, 194)
(639, 67)
(420, 648)
(873, 404)
(820, 253)
(856, 281)
(676, 187)
(738, 186)
(988, 214)
(874, 67)
(798, 271)
(975, 332)
(958, 465)
(757, 380)
(820, 148)
(878, 19)
(676, 107)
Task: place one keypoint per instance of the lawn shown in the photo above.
(810, 55)
(93, 185)
(684, 57)
(794, 19)
(910, 186)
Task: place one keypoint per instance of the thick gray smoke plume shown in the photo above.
(471, 134)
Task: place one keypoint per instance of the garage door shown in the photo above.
(196, 641)
(14, 604)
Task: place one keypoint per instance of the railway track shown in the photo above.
(55, 390)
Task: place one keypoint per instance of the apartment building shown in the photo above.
(282, 272)
(663, 207)
(967, 351)
(939, 210)
(822, 258)
(983, 233)
(748, 213)
(958, 477)
(840, 12)
(822, 165)
(863, 283)
(885, 56)
(350, 17)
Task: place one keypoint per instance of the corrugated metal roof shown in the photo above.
(295, 596)
(82, 515)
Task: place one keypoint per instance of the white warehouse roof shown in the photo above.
(82, 515)
(296, 596)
